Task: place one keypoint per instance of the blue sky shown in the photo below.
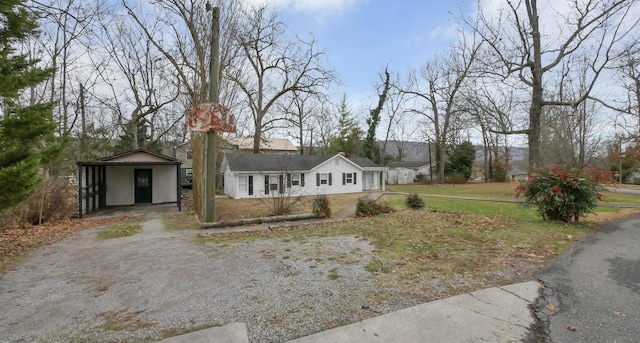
(362, 36)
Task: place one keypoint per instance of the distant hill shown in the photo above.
(419, 151)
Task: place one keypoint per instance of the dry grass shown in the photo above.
(124, 320)
(433, 254)
(233, 209)
(453, 246)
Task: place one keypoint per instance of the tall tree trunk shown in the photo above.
(537, 92)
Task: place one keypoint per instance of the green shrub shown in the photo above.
(369, 208)
(414, 201)
(559, 195)
(321, 206)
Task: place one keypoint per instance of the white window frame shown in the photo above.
(273, 181)
(188, 172)
(324, 179)
(243, 183)
(348, 178)
(295, 180)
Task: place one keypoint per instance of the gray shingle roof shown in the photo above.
(272, 162)
(408, 164)
(363, 162)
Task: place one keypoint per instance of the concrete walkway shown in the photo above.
(499, 314)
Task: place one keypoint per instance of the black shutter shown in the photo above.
(281, 183)
(330, 178)
(250, 184)
(344, 179)
(302, 180)
(355, 178)
(318, 179)
(289, 180)
(266, 184)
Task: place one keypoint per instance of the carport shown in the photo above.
(132, 178)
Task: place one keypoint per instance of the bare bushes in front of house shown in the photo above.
(368, 208)
(321, 206)
(54, 200)
(280, 204)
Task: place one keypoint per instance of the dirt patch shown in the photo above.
(157, 283)
(17, 241)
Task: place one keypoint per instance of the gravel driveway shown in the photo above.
(160, 283)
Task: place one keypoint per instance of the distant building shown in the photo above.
(405, 172)
(267, 145)
(182, 152)
(517, 175)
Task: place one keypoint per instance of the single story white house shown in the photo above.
(135, 177)
(263, 175)
(517, 175)
(404, 172)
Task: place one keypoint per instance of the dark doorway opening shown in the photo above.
(143, 186)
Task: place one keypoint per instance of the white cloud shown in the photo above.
(311, 6)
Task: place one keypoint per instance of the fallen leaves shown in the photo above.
(619, 313)
(552, 308)
(15, 241)
(572, 328)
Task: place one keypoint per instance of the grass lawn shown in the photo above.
(485, 243)
(497, 190)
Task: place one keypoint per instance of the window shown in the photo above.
(324, 178)
(349, 178)
(242, 184)
(273, 182)
(321, 179)
(188, 172)
(189, 155)
(295, 179)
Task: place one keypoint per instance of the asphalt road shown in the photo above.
(591, 292)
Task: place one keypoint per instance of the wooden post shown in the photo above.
(212, 137)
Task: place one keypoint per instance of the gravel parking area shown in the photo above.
(159, 283)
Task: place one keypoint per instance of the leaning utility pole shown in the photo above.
(212, 136)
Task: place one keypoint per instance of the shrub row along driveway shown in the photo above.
(160, 283)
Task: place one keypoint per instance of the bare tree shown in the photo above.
(436, 93)
(627, 103)
(271, 66)
(299, 111)
(323, 128)
(65, 30)
(524, 50)
(140, 89)
(401, 128)
(571, 135)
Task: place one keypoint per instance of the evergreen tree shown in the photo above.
(142, 139)
(25, 130)
(461, 160)
(348, 139)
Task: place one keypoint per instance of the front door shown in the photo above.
(143, 185)
(371, 185)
